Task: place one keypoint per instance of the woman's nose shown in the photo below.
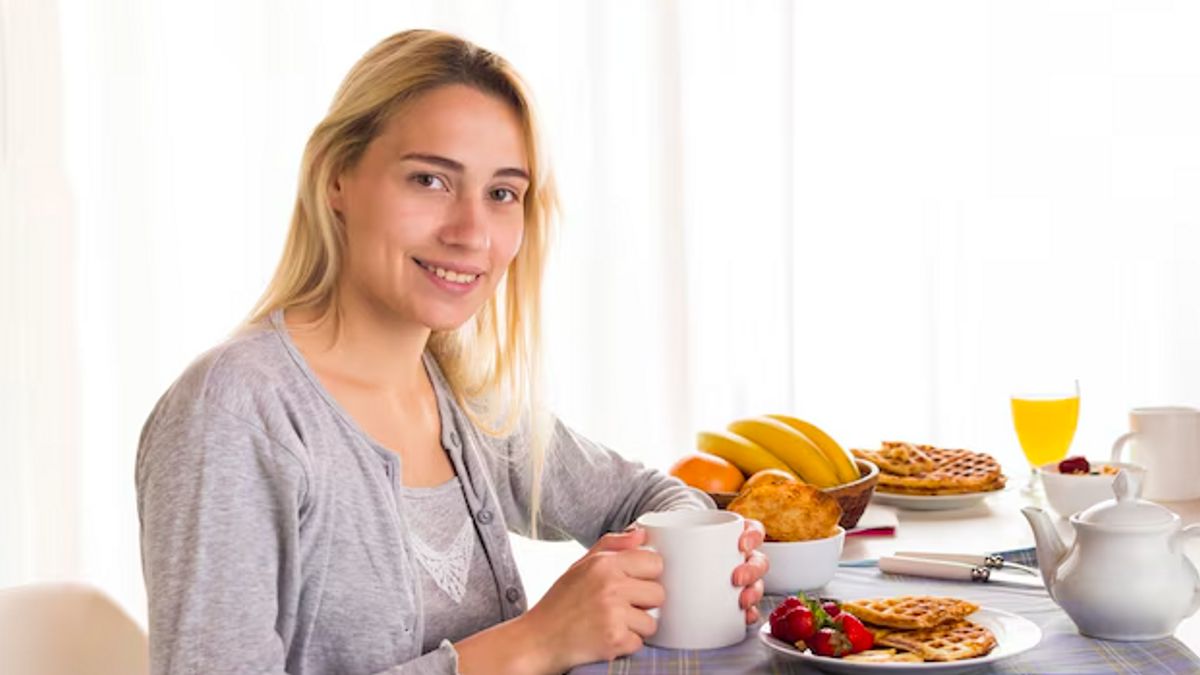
(466, 225)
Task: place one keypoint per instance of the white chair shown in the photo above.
(68, 629)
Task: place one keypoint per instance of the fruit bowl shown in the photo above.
(1068, 493)
(853, 497)
(723, 498)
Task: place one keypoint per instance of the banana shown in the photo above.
(746, 455)
(793, 447)
(842, 460)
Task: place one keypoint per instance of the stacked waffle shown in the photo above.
(910, 469)
(914, 628)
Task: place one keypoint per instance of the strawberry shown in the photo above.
(779, 624)
(860, 638)
(831, 608)
(829, 642)
(793, 625)
(1077, 464)
(820, 616)
(786, 606)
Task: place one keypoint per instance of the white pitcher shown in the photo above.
(1167, 442)
(1125, 577)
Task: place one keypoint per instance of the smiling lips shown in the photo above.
(446, 274)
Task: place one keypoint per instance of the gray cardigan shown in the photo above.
(273, 539)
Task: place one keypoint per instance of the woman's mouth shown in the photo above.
(452, 276)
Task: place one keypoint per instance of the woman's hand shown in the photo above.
(749, 574)
(597, 610)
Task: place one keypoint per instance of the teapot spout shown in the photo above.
(1050, 547)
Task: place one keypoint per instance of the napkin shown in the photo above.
(876, 521)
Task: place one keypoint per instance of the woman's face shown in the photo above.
(434, 209)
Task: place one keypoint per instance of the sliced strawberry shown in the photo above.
(860, 638)
(829, 642)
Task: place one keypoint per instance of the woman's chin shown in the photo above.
(442, 322)
(444, 327)
(437, 316)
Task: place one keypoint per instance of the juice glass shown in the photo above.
(1045, 425)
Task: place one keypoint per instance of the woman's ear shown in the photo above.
(336, 196)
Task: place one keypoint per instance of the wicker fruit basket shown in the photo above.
(853, 497)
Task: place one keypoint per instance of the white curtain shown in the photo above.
(880, 216)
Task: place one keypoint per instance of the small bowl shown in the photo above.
(801, 565)
(853, 497)
(1069, 494)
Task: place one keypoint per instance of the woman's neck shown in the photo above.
(363, 343)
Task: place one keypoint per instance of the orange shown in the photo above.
(769, 476)
(708, 472)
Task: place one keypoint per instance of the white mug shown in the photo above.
(1167, 442)
(699, 551)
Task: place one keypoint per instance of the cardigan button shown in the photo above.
(484, 516)
(512, 594)
(454, 439)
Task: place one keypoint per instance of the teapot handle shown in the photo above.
(1119, 445)
(1191, 531)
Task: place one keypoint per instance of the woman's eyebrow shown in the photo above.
(457, 167)
(512, 172)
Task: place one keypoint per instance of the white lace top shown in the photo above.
(459, 590)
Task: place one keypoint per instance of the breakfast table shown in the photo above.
(992, 525)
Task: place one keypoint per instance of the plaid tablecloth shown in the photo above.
(1062, 649)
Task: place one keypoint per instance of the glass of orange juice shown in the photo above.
(1045, 423)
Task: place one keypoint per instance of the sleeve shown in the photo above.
(220, 505)
(588, 489)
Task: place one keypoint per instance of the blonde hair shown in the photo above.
(492, 360)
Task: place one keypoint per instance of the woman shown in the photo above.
(330, 490)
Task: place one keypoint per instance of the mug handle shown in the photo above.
(1119, 445)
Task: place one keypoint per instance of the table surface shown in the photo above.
(995, 524)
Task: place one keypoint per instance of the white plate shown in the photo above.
(931, 502)
(1014, 634)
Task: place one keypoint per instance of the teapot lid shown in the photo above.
(1127, 510)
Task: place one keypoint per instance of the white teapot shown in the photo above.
(1126, 576)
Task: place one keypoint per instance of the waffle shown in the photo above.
(878, 631)
(883, 656)
(949, 642)
(997, 484)
(908, 611)
(901, 459)
(952, 472)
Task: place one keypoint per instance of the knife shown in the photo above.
(955, 571)
(992, 561)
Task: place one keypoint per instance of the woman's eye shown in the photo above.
(429, 180)
(504, 195)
